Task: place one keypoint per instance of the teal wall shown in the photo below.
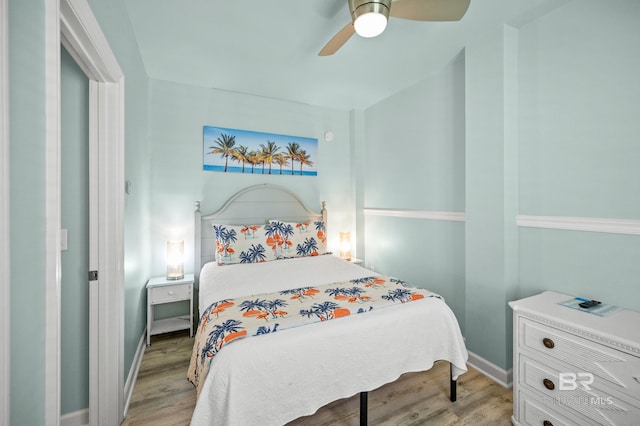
(27, 212)
(414, 159)
(27, 209)
(550, 126)
(491, 199)
(178, 113)
(539, 120)
(74, 318)
(114, 21)
(579, 111)
(579, 150)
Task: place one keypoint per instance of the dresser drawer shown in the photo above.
(618, 369)
(169, 293)
(538, 412)
(596, 402)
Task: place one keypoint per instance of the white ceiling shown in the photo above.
(269, 48)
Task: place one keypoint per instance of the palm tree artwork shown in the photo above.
(224, 146)
(268, 154)
(253, 158)
(272, 153)
(304, 159)
(281, 160)
(293, 153)
(240, 154)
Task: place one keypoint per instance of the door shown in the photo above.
(74, 218)
(80, 34)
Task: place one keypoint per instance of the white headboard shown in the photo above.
(250, 206)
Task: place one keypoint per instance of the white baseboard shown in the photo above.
(499, 375)
(77, 418)
(81, 417)
(130, 384)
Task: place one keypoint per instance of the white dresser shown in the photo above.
(572, 367)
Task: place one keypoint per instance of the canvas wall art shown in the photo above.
(243, 151)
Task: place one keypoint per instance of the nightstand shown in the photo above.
(161, 290)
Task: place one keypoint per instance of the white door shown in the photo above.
(74, 217)
(80, 34)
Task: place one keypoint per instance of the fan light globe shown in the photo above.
(370, 24)
(369, 17)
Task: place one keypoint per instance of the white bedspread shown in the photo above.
(279, 377)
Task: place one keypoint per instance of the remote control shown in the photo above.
(589, 304)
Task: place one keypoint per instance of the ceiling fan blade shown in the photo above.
(338, 40)
(429, 10)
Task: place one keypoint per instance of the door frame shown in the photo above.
(72, 24)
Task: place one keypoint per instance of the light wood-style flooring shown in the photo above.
(163, 396)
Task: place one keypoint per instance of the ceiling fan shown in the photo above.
(369, 17)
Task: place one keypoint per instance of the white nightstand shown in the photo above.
(161, 290)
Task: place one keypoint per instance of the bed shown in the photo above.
(278, 377)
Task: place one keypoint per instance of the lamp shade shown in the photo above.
(345, 245)
(175, 260)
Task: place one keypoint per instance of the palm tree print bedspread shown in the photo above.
(228, 320)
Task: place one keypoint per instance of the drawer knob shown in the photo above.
(171, 293)
(548, 343)
(549, 384)
(637, 379)
(547, 423)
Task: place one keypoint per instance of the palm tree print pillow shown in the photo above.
(242, 244)
(291, 239)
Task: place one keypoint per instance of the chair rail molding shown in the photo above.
(590, 224)
(416, 214)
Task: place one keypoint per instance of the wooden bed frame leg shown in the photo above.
(363, 408)
(452, 383)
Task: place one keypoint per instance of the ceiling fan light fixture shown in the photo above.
(369, 17)
(370, 24)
